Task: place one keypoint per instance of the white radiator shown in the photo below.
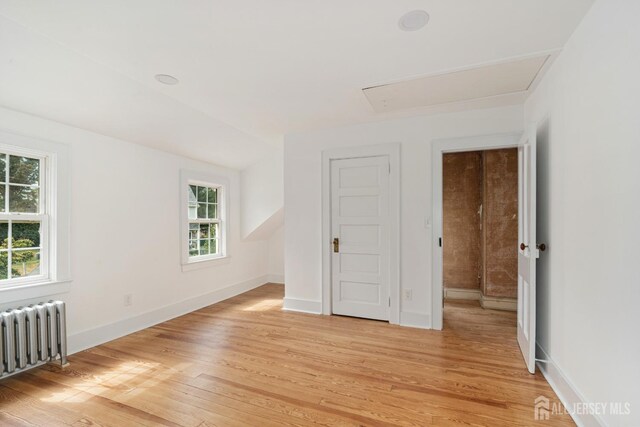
(31, 336)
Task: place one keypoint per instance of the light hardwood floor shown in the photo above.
(245, 362)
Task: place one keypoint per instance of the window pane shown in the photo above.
(213, 195)
(204, 231)
(3, 167)
(212, 211)
(213, 246)
(202, 194)
(213, 233)
(25, 234)
(24, 170)
(2, 194)
(193, 247)
(204, 247)
(25, 263)
(193, 211)
(4, 268)
(192, 193)
(23, 199)
(202, 210)
(4, 233)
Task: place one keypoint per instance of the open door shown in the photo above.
(528, 251)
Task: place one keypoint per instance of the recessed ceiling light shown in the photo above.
(414, 20)
(166, 79)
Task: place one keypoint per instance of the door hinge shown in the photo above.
(389, 165)
(389, 301)
(440, 241)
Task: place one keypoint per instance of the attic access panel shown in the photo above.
(464, 85)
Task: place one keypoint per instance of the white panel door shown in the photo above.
(360, 229)
(527, 252)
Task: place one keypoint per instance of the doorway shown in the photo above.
(527, 251)
(480, 229)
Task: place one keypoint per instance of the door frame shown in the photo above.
(392, 150)
(440, 147)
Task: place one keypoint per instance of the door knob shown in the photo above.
(336, 244)
(541, 246)
(523, 246)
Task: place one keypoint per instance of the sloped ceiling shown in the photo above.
(250, 70)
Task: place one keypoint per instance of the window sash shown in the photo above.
(195, 207)
(41, 186)
(199, 239)
(43, 249)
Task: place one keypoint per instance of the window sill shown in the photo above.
(205, 263)
(32, 291)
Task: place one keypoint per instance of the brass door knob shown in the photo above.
(523, 246)
(541, 246)
(336, 245)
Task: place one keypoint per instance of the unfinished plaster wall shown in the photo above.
(500, 223)
(480, 221)
(462, 197)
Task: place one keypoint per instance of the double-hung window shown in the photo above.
(24, 218)
(205, 221)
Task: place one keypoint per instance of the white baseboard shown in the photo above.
(302, 305)
(276, 278)
(461, 293)
(407, 318)
(93, 337)
(494, 303)
(566, 391)
(415, 320)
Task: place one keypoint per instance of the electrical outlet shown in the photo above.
(128, 300)
(408, 294)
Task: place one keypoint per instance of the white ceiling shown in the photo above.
(250, 70)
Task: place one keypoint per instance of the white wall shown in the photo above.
(276, 256)
(262, 209)
(262, 196)
(588, 113)
(125, 235)
(302, 187)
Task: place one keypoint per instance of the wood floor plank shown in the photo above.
(245, 362)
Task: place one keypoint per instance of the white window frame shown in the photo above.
(200, 179)
(43, 215)
(55, 198)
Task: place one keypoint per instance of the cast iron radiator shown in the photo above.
(31, 336)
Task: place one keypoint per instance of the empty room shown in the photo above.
(354, 213)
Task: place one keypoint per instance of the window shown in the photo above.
(203, 217)
(24, 218)
(35, 218)
(204, 221)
